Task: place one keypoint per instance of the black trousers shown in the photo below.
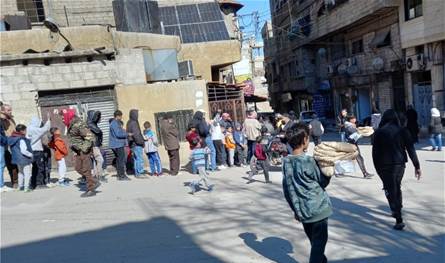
(220, 152)
(316, 139)
(121, 159)
(12, 168)
(317, 233)
(391, 176)
(38, 169)
(264, 164)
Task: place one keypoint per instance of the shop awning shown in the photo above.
(381, 38)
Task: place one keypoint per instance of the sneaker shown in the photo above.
(222, 167)
(51, 185)
(88, 194)
(268, 182)
(82, 181)
(192, 188)
(39, 187)
(124, 178)
(141, 176)
(210, 188)
(6, 189)
(250, 177)
(62, 184)
(399, 226)
(27, 190)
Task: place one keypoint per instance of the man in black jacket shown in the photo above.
(391, 142)
(136, 143)
(92, 122)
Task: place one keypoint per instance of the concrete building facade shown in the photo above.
(39, 76)
(322, 55)
(422, 30)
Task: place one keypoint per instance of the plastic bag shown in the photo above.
(344, 167)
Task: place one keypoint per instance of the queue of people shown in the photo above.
(26, 151)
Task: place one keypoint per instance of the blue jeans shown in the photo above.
(250, 149)
(155, 163)
(138, 159)
(436, 141)
(343, 136)
(209, 144)
(2, 164)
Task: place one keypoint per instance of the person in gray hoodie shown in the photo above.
(35, 132)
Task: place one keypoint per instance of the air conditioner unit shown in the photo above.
(186, 69)
(415, 63)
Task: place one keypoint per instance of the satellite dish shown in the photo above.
(352, 70)
(342, 68)
(378, 63)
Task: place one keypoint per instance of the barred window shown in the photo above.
(181, 118)
(33, 9)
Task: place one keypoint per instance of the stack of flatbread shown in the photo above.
(327, 153)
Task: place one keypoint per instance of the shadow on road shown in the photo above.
(157, 240)
(273, 248)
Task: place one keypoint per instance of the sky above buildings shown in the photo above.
(247, 22)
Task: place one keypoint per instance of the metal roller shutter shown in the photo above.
(99, 98)
(107, 109)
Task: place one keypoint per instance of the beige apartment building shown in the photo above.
(422, 33)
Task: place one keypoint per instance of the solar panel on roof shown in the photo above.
(172, 30)
(197, 22)
(188, 14)
(168, 15)
(209, 12)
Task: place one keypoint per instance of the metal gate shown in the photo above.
(102, 99)
(228, 98)
(423, 96)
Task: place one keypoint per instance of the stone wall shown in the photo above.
(85, 37)
(20, 84)
(8, 7)
(80, 12)
(210, 54)
(163, 97)
(424, 29)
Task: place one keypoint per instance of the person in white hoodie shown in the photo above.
(35, 132)
(435, 128)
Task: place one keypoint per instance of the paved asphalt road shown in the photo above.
(156, 220)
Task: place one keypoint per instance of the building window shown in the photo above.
(33, 9)
(419, 49)
(357, 47)
(386, 41)
(413, 9)
(181, 118)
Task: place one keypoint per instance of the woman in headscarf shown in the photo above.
(391, 143)
(435, 129)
